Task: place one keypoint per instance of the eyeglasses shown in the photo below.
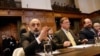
(97, 26)
(35, 24)
(66, 23)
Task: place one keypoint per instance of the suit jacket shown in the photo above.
(60, 37)
(86, 33)
(30, 45)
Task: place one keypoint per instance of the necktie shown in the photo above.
(70, 37)
(50, 36)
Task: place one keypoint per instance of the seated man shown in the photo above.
(96, 27)
(32, 41)
(87, 33)
(65, 37)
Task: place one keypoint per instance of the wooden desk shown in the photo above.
(89, 51)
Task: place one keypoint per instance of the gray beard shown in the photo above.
(35, 32)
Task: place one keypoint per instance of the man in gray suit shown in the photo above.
(65, 37)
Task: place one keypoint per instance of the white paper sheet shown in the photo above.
(82, 46)
(54, 52)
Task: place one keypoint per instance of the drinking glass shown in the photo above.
(48, 48)
(97, 41)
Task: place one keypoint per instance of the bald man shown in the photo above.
(87, 33)
(32, 40)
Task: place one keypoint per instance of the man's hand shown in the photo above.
(84, 40)
(43, 33)
(66, 43)
(99, 37)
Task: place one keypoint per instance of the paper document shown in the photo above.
(54, 52)
(81, 46)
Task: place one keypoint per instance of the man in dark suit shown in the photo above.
(87, 33)
(32, 41)
(8, 45)
(65, 37)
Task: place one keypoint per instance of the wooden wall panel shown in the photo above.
(34, 14)
(3, 12)
(15, 13)
(50, 20)
(9, 29)
(57, 14)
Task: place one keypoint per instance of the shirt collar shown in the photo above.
(65, 31)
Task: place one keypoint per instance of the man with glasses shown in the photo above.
(65, 37)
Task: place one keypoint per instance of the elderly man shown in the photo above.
(32, 41)
(87, 33)
(65, 37)
(96, 27)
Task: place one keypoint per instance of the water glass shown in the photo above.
(97, 41)
(48, 49)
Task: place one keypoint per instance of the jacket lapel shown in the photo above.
(63, 35)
